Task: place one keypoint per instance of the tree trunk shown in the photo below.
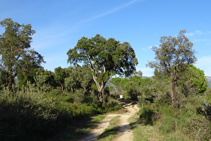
(71, 89)
(175, 103)
(11, 81)
(62, 86)
(116, 90)
(85, 92)
(101, 99)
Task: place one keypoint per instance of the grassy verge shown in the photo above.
(142, 131)
(111, 130)
(78, 129)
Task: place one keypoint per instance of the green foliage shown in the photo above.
(29, 113)
(29, 75)
(134, 86)
(71, 79)
(173, 57)
(60, 75)
(194, 79)
(191, 120)
(104, 58)
(3, 78)
(23, 77)
(26, 115)
(147, 115)
(14, 49)
(40, 80)
(194, 126)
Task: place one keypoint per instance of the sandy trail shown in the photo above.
(124, 133)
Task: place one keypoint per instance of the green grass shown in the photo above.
(143, 131)
(111, 130)
(78, 129)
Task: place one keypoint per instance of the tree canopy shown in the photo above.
(104, 58)
(194, 79)
(16, 55)
(173, 57)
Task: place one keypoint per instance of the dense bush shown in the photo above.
(27, 114)
(147, 115)
(192, 119)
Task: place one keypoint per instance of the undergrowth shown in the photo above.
(27, 114)
(192, 121)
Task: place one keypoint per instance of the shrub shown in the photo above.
(192, 125)
(147, 114)
(26, 114)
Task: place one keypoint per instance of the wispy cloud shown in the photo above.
(109, 12)
(48, 37)
(197, 32)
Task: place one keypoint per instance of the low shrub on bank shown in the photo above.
(191, 120)
(38, 116)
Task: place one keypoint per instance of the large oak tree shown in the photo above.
(104, 58)
(173, 57)
(16, 55)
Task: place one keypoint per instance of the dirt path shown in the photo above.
(124, 133)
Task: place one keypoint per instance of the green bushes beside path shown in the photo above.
(37, 116)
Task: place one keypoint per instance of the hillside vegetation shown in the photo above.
(47, 105)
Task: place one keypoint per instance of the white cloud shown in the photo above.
(109, 12)
(197, 32)
(204, 63)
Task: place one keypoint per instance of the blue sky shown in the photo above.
(60, 24)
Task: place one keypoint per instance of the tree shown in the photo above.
(60, 75)
(84, 77)
(14, 49)
(3, 78)
(194, 79)
(71, 81)
(173, 56)
(116, 81)
(104, 58)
